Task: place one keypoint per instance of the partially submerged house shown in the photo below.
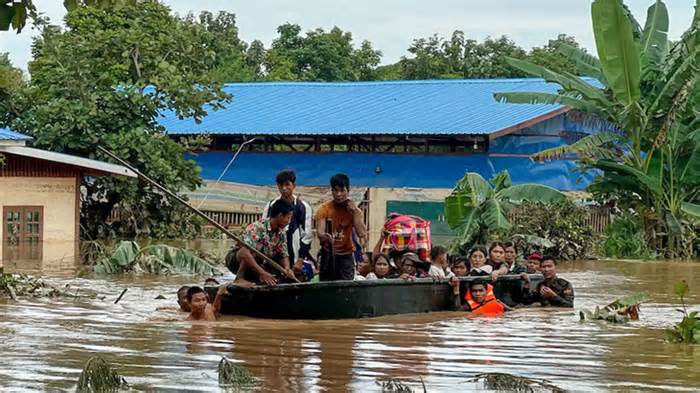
(405, 143)
(40, 202)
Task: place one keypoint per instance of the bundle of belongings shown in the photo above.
(407, 233)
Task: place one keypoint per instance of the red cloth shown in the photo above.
(408, 233)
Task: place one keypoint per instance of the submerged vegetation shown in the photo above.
(688, 330)
(503, 382)
(562, 225)
(129, 257)
(15, 286)
(235, 376)
(98, 376)
(621, 310)
(624, 238)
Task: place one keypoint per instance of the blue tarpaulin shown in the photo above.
(387, 170)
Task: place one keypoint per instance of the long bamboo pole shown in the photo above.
(199, 213)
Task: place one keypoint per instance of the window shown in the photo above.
(23, 228)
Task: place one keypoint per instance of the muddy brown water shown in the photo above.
(45, 343)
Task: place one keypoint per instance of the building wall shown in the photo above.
(58, 196)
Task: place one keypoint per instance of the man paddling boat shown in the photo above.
(268, 236)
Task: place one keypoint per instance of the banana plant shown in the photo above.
(476, 208)
(128, 256)
(648, 90)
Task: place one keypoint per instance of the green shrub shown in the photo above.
(688, 330)
(624, 238)
(559, 229)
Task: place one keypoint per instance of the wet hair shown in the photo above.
(476, 248)
(285, 176)
(477, 282)
(280, 207)
(436, 251)
(510, 244)
(496, 244)
(340, 180)
(548, 258)
(193, 291)
(182, 292)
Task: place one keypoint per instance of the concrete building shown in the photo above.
(404, 144)
(40, 202)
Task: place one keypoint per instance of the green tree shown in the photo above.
(103, 80)
(319, 56)
(652, 95)
(221, 37)
(550, 57)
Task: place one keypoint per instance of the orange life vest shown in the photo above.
(490, 307)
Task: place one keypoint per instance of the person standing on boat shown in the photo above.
(343, 216)
(268, 236)
(553, 291)
(300, 228)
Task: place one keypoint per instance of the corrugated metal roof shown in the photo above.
(397, 107)
(7, 134)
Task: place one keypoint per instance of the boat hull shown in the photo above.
(346, 299)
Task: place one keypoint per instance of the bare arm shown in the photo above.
(216, 305)
(358, 221)
(378, 247)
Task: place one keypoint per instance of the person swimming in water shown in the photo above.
(201, 309)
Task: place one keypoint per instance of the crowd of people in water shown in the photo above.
(286, 231)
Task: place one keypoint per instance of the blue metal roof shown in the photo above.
(387, 170)
(7, 134)
(397, 107)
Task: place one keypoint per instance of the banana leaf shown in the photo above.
(548, 99)
(670, 85)
(586, 64)
(531, 192)
(617, 51)
(494, 216)
(591, 145)
(691, 209)
(655, 34)
(567, 82)
(470, 192)
(178, 260)
(501, 180)
(653, 184)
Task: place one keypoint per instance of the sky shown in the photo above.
(391, 25)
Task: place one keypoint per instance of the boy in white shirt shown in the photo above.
(438, 263)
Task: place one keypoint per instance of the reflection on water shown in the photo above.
(44, 343)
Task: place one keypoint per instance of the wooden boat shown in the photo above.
(353, 299)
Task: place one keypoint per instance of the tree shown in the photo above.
(319, 56)
(437, 58)
(477, 209)
(221, 37)
(550, 57)
(652, 95)
(103, 80)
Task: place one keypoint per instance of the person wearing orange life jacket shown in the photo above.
(479, 299)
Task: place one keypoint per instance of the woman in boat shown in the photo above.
(496, 259)
(510, 256)
(409, 266)
(478, 259)
(380, 268)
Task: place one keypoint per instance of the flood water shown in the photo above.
(44, 343)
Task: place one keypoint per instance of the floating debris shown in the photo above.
(100, 376)
(621, 310)
(513, 383)
(392, 385)
(232, 375)
(15, 286)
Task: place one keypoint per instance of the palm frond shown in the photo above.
(590, 146)
(547, 98)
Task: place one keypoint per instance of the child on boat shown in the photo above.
(201, 309)
(438, 263)
(460, 267)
